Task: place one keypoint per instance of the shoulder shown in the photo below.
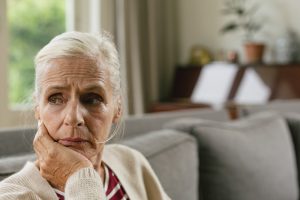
(123, 153)
(10, 190)
(134, 172)
(25, 184)
(15, 187)
(119, 148)
(125, 159)
(21, 177)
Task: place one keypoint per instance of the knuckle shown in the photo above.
(43, 166)
(52, 153)
(35, 140)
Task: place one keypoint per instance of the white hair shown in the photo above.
(95, 47)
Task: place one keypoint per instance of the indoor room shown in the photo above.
(167, 99)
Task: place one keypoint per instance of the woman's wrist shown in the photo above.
(82, 182)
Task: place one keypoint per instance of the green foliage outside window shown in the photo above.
(32, 23)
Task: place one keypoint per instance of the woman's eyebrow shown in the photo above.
(94, 87)
(56, 87)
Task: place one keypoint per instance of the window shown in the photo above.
(26, 26)
(31, 23)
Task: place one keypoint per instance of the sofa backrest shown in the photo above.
(135, 125)
(281, 106)
(15, 149)
(16, 141)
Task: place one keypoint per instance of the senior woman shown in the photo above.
(78, 99)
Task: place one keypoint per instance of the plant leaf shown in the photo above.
(240, 11)
(229, 27)
(237, 10)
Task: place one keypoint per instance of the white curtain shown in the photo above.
(145, 33)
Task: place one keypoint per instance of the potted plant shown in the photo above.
(244, 19)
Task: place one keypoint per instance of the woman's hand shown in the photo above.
(55, 161)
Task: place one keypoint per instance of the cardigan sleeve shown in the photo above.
(84, 184)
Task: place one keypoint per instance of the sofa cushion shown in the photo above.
(173, 157)
(248, 159)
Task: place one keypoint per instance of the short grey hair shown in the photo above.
(96, 47)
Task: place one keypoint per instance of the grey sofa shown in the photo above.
(201, 154)
(172, 154)
(254, 157)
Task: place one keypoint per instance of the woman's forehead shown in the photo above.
(74, 71)
(73, 65)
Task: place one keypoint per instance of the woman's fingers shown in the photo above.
(37, 164)
(44, 140)
(37, 144)
(43, 143)
(43, 135)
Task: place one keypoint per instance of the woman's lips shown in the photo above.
(72, 141)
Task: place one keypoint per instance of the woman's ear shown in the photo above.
(118, 114)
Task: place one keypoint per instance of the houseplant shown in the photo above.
(244, 18)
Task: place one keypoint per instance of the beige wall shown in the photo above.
(200, 22)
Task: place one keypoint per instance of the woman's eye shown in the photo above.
(91, 99)
(56, 99)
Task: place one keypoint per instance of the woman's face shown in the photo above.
(76, 104)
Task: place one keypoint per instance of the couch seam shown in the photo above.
(172, 147)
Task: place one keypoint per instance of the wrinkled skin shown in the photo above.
(55, 161)
(76, 108)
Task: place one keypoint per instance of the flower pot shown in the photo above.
(254, 52)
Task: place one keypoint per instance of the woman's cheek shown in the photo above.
(52, 120)
(51, 127)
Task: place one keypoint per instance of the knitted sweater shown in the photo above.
(130, 166)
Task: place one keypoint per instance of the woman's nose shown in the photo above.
(74, 115)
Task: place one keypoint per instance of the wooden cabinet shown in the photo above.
(282, 80)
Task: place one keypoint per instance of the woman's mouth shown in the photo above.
(72, 141)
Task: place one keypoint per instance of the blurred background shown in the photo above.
(175, 54)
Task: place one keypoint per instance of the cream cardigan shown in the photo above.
(130, 166)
